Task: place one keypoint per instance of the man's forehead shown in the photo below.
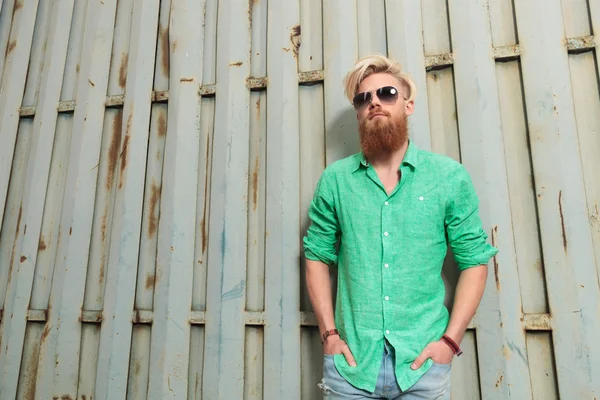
(375, 81)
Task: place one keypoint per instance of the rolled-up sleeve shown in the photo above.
(466, 236)
(323, 232)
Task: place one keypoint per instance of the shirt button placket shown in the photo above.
(385, 218)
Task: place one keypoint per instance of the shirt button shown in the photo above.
(386, 265)
(385, 233)
(386, 203)
(387, 332)
(387, 298)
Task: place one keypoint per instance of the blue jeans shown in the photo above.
(434, 385)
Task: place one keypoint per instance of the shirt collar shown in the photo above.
(411, 157)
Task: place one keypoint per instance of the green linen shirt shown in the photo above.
(389, 250)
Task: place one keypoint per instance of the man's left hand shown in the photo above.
(438, 351)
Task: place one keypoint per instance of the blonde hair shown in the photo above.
(375, 64)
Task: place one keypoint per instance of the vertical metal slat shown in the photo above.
(170, 342)
(282, 295)
(224, 336)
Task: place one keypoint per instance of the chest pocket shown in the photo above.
(424, 219)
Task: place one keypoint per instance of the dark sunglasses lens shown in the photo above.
(387, 94)
(361, 99)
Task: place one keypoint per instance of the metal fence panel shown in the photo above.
(158, 159)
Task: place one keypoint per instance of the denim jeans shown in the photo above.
(434, 385)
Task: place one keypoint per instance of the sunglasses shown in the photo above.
(387, 95)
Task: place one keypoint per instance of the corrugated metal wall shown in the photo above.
(157, 159)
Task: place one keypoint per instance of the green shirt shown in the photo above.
(390, 255)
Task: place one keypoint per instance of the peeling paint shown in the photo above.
(165, 59)
(562, 220)
(296, 39)
(255, 183)
(113, 151)
(153, 217)
(123, 70)
(125, 150)
(149, 281)
(495, 259)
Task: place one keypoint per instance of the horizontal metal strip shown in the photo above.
(511, 52)
(582, 43)
(529, 322)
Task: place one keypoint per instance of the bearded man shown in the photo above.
(385, 217)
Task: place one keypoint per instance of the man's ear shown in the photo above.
(410, 107)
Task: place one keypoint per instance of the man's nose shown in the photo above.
(375, 101)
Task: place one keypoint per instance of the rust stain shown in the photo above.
(186, 80)
(162, 124)
(125, 149)
(499, 381)
(66, 397)
(11, 46)
(494, 235)
(258, 109)
(137, 368)
(123, 70)
(104, 226)
(19, 220)
(174, 45)
(203, 223)
(164, 40)
(255, 184)
(23, 259)
(45, 332)
(596, 207)
(18, 6)
(113, 151)
(101, 274)
(236, 64)
(295, 38)
(91, 83)
(149, 281)
(77, 68)
(42, 244)
(70, 230)
(562, 220)
(153, 223)
(25, 230)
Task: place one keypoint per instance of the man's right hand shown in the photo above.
(335, 345)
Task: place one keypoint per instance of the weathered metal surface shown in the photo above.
(60, 351)
(12, 84)
(227, 247)
(129, 277)
(113, 361)
(405, 44)
(482, 152)
(567, 243)
(26, 242)
(340, 48)
(170, 341)
(282, 286)
(372, 37)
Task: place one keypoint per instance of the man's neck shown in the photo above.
(390, 161)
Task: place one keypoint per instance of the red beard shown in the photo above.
(382, 136)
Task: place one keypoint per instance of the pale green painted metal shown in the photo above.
(26, 243)
(154, 222)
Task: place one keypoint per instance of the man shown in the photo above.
(392, 209)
